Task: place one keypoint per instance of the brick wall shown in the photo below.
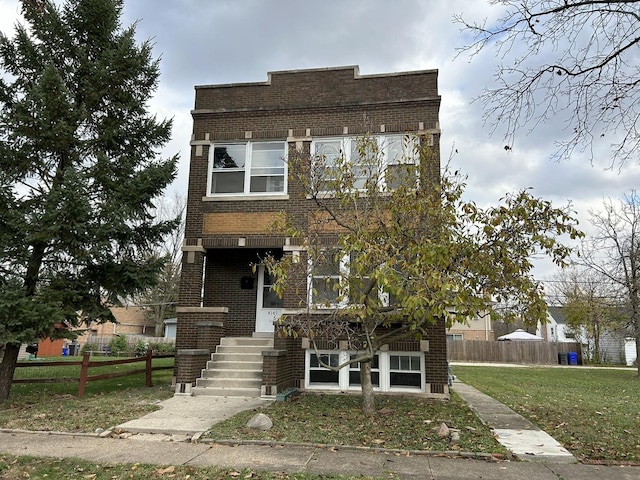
(224, 272)
(189, 364)
(284, 367)
(294, 106)
(436, 366)
(324, 88)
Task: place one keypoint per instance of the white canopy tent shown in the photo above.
(520, 335)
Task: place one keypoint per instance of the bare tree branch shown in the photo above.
(572, 60)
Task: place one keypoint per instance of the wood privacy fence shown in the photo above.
(530, 353)
(86, 364)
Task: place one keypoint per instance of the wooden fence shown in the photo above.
(86, 364)
(530, 353)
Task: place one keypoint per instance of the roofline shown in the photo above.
(355, 68)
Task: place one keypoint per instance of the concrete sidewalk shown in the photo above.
(296, 459)
(517, 434)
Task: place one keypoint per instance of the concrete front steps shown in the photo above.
(235, 369)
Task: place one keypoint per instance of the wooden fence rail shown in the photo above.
(531, 353)
(86, 364)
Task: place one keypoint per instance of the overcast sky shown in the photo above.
(223, 41)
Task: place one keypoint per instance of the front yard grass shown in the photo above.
(106, 403)
(594, 413)
(402, 422)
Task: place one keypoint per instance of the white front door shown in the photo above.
(269, 306)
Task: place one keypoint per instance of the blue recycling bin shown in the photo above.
(65, 351)
(573, 358)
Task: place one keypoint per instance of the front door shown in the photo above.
(269, 305)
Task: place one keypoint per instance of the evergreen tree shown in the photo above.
(79, 170)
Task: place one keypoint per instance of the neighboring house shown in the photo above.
(616, 346)
(556, 328)
(130, 320)
(238, 183)
(170, 325)
(479, 328)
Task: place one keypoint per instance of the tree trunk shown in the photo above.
(638, 353)
(368, 400)
(7, 367)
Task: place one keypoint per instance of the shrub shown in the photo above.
(162, 347)
(88, 348)
(140, 348)
(118, 346)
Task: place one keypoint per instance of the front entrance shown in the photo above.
(269, 305)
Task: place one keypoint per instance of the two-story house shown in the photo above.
(238, 183)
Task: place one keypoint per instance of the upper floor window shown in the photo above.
(334, 283)
(249, 168)
(389, 161)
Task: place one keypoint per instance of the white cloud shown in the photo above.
(241, 40)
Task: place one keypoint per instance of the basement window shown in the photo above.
(390, 371)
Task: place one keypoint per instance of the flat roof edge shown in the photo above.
(355, 68)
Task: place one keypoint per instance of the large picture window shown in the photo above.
(250, 168)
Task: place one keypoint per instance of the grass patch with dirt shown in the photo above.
(401, 422)
(592, 412)
(55, 407)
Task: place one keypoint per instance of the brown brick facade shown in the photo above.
(239, 223)
(225, 237)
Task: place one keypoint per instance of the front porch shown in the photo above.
(225, 292)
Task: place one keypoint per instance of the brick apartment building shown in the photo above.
(238, 182)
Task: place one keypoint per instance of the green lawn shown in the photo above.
(54, 406)
(594, 413)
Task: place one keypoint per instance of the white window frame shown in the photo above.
(343, 268)
(409, 155)
(343, 289)
(246, 169)
(384, 371)
(419, 356)
(342, 278)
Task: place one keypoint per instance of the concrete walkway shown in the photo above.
(190, 415)
(516, 433)
(155, 450)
